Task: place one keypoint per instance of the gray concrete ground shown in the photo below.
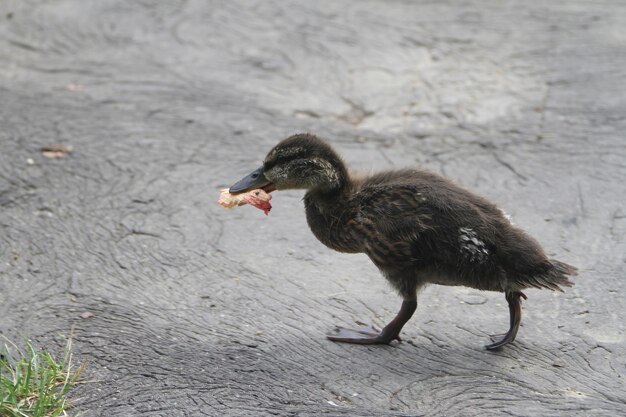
(202, 311)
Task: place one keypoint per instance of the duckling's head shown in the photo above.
(301, 161)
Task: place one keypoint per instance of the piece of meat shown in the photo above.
(257, 198)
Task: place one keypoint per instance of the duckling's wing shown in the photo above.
(399, 220)
(415, 224)
(398, 211)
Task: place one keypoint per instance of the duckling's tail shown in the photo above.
(564, 269)
(553, 276)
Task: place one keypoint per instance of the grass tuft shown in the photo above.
(33, 383)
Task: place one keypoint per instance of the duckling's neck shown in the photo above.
(328, 214)
(326, 177)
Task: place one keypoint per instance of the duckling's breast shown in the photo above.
(334, 224)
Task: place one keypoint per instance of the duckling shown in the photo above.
(417, 227)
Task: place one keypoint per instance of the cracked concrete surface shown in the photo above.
(203, 311)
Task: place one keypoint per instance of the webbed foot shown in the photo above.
(363, 335)
(372, 335)
(498, 343)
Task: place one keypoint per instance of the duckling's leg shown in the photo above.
(371, 335)
(515, 312)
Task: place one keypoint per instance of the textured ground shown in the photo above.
(202, 311)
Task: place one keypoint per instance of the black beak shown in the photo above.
(254, 180)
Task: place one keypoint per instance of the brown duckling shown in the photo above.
(417, 228)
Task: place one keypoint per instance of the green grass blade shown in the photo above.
(34, 384)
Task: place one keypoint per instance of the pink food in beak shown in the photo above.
(257, 198)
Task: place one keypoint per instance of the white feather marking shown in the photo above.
(472, 248)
